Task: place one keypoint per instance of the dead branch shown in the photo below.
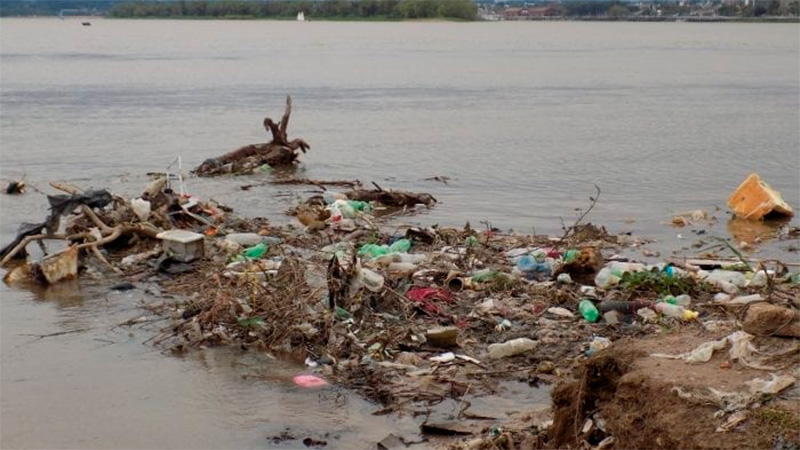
(568, 230)
(27, 240)
(65, 188)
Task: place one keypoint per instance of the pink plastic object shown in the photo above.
(426, 298)
(309, 381)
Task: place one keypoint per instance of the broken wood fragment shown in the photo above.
(300, 181)
(391, 198)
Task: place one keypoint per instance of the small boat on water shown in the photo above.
(86, 24)
(301, 17)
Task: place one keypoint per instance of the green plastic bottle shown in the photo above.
(588, 310)
(256, 252)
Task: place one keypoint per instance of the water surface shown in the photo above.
(525, 118)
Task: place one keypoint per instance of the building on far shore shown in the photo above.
(529, 12)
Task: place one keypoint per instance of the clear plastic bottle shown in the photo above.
(605, 278)
(511, 348)
(681, 300)
(400, 258)
(676, 311)
(588, 310)
(370, 280)
(760, 279)
(727, 276)
(401, 268)
(673, 272)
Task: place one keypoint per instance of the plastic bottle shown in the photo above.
(621, 267)
(331, 196)
(676, 311)
(400, 258)
(257, 251)
(605, 278)
(588, 310)
(511, 348)
(728, 276)
(673, 271)
(681, 300)
(401, 268)
(760, 279)
(370, 280)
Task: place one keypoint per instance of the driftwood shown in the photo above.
(391, 198)
(279, 151)
(300, 181)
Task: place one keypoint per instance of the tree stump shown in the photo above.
(280, 151)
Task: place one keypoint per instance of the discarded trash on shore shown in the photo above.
(425, 318)
(754, 200)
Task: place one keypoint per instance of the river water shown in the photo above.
(524, 119)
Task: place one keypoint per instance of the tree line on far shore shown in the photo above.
(331, 9)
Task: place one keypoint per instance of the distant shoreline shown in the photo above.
(688, 19)
(696, 19)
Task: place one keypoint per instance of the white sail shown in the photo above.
(301, 17)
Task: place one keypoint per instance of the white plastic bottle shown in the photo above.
(511, 348)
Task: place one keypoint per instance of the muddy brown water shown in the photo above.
(524, 118)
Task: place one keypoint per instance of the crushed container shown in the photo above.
(185, 246)
(754, 199)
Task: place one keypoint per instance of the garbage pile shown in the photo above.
(415, 318)
(108, 233)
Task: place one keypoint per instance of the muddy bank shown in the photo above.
(626, 398)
